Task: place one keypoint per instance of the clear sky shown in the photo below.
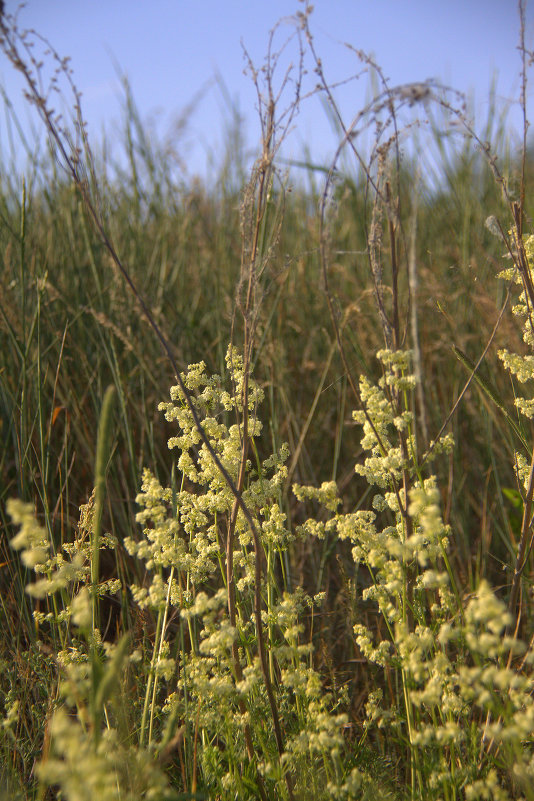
(172, 49)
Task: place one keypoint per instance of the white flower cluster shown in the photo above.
(185, 532)
(455, 664)
(60, 573)
(182, 528)
(522, 367)
(112, 771)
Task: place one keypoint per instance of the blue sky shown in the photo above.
(172, 49)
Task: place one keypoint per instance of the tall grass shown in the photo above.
(244, 614)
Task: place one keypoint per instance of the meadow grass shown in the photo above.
(318, 590)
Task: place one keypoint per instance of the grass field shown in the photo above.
(322, 588)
